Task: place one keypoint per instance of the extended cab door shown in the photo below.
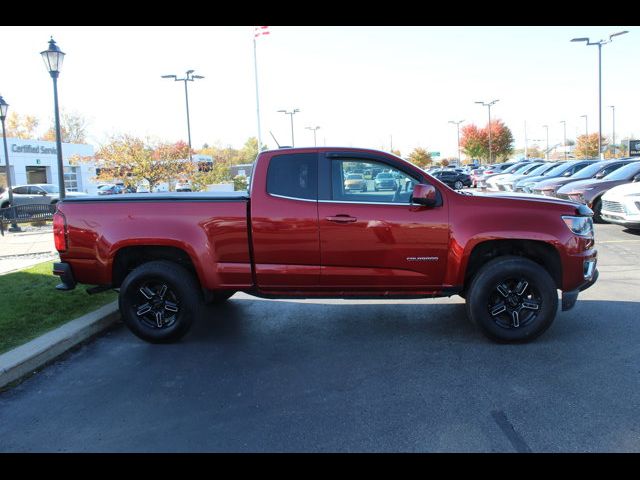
(284, 221)
(376, 240)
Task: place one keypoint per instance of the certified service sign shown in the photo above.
(634, 148)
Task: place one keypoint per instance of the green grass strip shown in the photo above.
(30, 305)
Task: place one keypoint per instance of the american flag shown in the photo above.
(257, 31)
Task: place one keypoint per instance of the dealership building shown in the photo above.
(36, 161)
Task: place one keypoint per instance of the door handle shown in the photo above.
(342, 219)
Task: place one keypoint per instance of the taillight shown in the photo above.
(59, 231)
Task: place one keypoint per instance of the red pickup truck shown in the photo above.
(301, 233)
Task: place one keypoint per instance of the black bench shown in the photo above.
(31, 212)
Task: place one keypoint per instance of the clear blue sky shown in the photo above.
(359, 84)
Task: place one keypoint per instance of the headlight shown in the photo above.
(582, 226)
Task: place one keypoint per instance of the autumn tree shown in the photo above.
(21, 126)
(587, 146)
(134, 160)
(73, 129)
(474, 142)
(396, 152)
(420, 157)
(501, 140)
(219, 173)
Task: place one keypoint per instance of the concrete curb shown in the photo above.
(26, 358)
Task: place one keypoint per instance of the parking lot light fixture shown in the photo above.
(53, 58)
(4, 108)
(314, 134)
(599, 43)
(564, 144)
(291, 113)
(189, 77)
(457, 124)
(488, 105)
(546, 155)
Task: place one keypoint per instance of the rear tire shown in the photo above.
(159, 301)
(512, 300)
(458, 185)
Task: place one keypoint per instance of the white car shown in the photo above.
(621, 205)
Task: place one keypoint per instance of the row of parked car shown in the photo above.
(611, 188)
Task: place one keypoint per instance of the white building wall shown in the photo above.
(38, 153)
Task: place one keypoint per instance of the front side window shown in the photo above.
(294, 176)
(386, 184)
(21, 190)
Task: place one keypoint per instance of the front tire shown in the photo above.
(597, 212)
(512, 300)
(159, 301)
(458, 185)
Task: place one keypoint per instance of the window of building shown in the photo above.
(71, 179)
(294, 176)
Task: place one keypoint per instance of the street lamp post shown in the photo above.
(546, 154)
(291, 113)
(586, 126)
(564, 125)
(314, 134)
(457, 124)
(53, 58)
(488, 105)
(4, 107)
(599, 43)
(613, 135)
(189, 77)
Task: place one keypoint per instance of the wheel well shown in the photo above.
(540, 252)
(128, 258)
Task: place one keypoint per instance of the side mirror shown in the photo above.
(600, 175)
(43, 193)
(424, 195)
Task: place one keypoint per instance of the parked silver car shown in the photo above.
(42, 193)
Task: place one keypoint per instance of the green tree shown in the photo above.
(420, 157)
(21, 126)
(219, 173)
(73, 129)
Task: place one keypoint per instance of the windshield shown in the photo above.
(533, 168)
(354, 177)
(514, 168)
(557, 171)
(105, 187)
(590, 170)
(384, 175)
(624, 173)
(50, 188)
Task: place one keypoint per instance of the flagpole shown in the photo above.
(255, 64)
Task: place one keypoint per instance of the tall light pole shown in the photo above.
(291, 113)
(314, 134)
(564, 126)
(53, 58)
(546, 155)
(189, 77)
(599, 43)
(4, 107)
(586, 126)
(457, 124)
(613, 135)
(488, 105)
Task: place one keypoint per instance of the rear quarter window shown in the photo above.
(293, 175)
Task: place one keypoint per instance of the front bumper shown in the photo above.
(63, 270)
(569, 298)
(619, 219)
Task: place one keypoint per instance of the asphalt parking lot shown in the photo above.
(351, 376)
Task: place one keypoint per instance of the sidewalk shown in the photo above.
(23, 249)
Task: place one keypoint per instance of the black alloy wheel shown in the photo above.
(159, 301)
(512, 299)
